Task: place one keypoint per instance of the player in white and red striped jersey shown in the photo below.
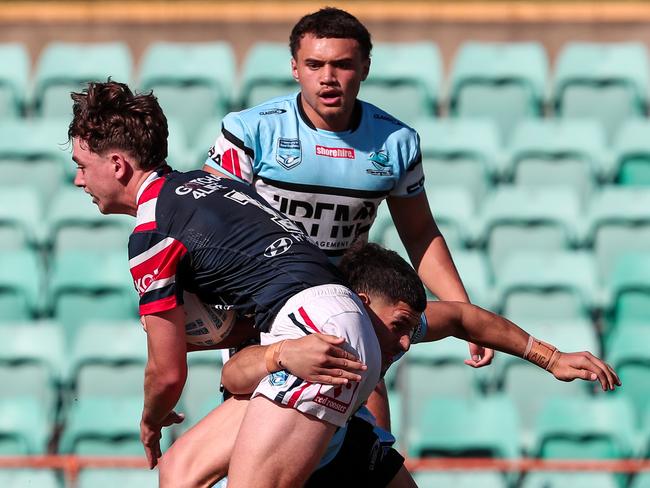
(216, 238)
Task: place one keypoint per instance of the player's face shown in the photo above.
(394, 325)
(330, 72)
(96, 175)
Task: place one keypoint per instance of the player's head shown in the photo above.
(114, 134)
(332, 23)
(392, 292)
(330, 52)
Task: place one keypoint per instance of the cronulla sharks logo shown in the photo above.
(381, 163)
(289, 152)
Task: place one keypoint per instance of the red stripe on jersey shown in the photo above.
(296, 394)
(152, 191)
(307, 320)
(146, 226)
(159, 266)
(230, 162)
(158, 306)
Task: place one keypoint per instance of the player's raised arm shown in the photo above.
(480, 326)
(317, 358)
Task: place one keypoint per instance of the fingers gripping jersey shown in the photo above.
(330, 183)
(216, 238)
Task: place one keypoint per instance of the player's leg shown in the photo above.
(277, 446)
(202, 454)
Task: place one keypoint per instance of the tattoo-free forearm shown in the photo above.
(242, 373)
(162, 390)
(480, 326)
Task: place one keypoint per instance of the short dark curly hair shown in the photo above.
(108, 115)
(374, 270)
(330, 22)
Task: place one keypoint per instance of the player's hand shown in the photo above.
(586, 366)
(321, 358)
(150, 436)
(479, 356)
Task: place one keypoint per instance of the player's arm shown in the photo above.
(232, 155)
(431, 258)
(164, 378)
(317, 358)
(472, 323)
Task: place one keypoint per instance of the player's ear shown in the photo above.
(364, 298)
(121, 165)
(294, 69)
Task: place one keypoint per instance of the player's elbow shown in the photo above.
(234, 381)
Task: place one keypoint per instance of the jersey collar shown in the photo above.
(355, 121)
(155, 175)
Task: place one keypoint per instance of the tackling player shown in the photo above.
(218, 239)
(327, 160)
(393, 296)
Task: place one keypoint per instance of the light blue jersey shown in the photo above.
(331, 183)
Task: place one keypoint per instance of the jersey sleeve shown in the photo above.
(154, 260)
(232, 152)
(411, 181)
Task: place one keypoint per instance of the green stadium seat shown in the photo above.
(88, 285)
(456, 427)
(105, 425)
(21, 284)
(516, 218)
(628, 354)
(192, 81)
(198, 154)
(550, 479)
(24, 426)
(557, 152)
(629, 289)
(528, 386)
(101, 365)
(547, 285)
(202, 390)
(66, 66)
(454, 209)
(29, 478)
(617, 223)
(641, 480)
(460, 152)
(608, 81)
(20, 218)
(122, 477)
(33, 153)
(266, 74)
(454, 479)
(404, 79)
(14, 76)
(397, 419)
(476, 275)
(503, 81)
(31, 363)
(631, 148)
(75, 223)
(585, 428)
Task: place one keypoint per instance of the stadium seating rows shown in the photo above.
(539, 179)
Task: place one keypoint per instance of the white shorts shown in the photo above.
(327, 309)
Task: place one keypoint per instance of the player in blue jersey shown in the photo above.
(327, 159)
(393, 295)
(218, 239)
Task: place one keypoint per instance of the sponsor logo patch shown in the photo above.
(279, 378)
(338, 398)
(335, 152)
(273, 111)
(289, 152)
(278, 247)
(387, 119)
